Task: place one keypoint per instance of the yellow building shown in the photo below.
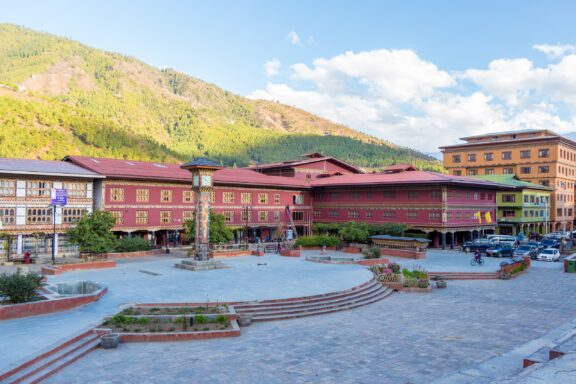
(537, 156)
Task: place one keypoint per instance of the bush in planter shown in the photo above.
(19, 287)
(395, 267)
(132, 244)
(318, 241)
(372, 253)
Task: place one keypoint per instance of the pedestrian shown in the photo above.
(563, 244)
(278, 248)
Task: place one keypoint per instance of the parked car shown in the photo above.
(500, 250)
(560, 235)
(503, 239)
(527, 250)
(479, 244)
(550, 243)
(549, 254)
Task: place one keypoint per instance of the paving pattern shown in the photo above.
(407, 338)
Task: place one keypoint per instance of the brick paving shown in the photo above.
(407, 338)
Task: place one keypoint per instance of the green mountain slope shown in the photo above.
(59, 97)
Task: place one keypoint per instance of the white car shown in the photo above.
(549, 254)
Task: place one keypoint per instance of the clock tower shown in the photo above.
(202, 172)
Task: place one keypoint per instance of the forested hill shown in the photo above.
(59, 97)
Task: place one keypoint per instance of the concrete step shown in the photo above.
(305, 303)
(43, 366)
(323, 311)
(467, 275)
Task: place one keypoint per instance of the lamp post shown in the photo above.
(247, 216)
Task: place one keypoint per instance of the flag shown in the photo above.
(478, 215)
(488, 217)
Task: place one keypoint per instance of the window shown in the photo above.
(544, 152)
(298, 199)
(435, 194)
(411, 215)
(263, 198)
(389, 213)
(187, 215)
(116, 194)
(525, 170)
(76, 190)
(246, 198)
(38, 188)
(457, 173)
(458, 215)
(569, 211)
(228, 197)
(317, 195)
(142, 195)
(38, 216)
(472, 157)
(7, 187)
(354, 214)
(506, 155)
(489, 171)
(277, 216)
(508, 171)
(334, 195)
(543, 169)
(166, 196)
(7, 216)
(526, 199)
(354, 195)
(482, 196)
(72, 215)
(545, 183)
(468, 195)
(119, 216)
(475, 195)
(368, 214)
(508, 213)
(456, 158)
(389, 194)
(369, 195)
(166, 217)
(263, 215)
(228, 216)
(412, 194)
(246, 215)
(472, 172)
(298, 215)
(333, 213)
(317, 213)
(141, 217)
(558, 211)
(188, 197)
(508, 198)
(532, 199)
(276, 198)
(526, 213)
(212, 197)
(488, 156)
(525, 154)
(434, 215)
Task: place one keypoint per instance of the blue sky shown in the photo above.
(413, 66)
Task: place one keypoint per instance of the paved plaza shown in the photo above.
(407, 338)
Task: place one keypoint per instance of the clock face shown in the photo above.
(206, 181)
(196, 182)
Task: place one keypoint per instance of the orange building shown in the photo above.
(537, 156)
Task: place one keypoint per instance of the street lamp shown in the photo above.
(247, 217)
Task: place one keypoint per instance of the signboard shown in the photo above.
(58, 197)
(289, 234)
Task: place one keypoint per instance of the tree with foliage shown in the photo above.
(219, 232)
(93, 232)
(19, 287)
(354, 232)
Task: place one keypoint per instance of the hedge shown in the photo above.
(318, 241)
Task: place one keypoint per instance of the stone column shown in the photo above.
(452, 234)
(443, 240)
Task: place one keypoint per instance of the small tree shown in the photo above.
(219, 232)
(19, 287)
(354, 232)
(93, 232)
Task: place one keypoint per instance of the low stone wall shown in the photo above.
(405, 253)
(507, 269)
(125, 255)
(61, 268)
(314, 248)
(352, 250)
(223, 254)
(290, 252)
(15, 311)
(399, 286)
(369, 262)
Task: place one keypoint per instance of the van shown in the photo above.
(503, 239)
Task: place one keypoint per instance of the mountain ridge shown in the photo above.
(74, 99)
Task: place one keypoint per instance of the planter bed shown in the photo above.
(179, 311)
(223, 254)
(398, 286)
(126, 255)
(290, 252)
(315, 248)
(62, 268)
(352, 250)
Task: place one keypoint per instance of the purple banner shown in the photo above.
(58, 197)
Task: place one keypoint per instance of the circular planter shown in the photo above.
(244, 320)
(110, 340)
(441, 284)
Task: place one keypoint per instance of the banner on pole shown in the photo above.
(58, 197)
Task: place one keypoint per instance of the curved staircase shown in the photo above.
(282, 309)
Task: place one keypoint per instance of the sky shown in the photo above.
(418, 73)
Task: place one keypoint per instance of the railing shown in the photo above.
(228, 247)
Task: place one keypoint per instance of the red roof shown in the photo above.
(292, 163)
(144, 170)
(402, 178)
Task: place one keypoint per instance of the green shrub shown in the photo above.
(132, 244)
(408, 274)
(19, 287)
(221, 319)
(395, 267)
(318, 241)
(372, 253)
(200, 319)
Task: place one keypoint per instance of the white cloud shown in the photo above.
(400, 97)
(293, 38)
(555, 51)
(272, 67)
